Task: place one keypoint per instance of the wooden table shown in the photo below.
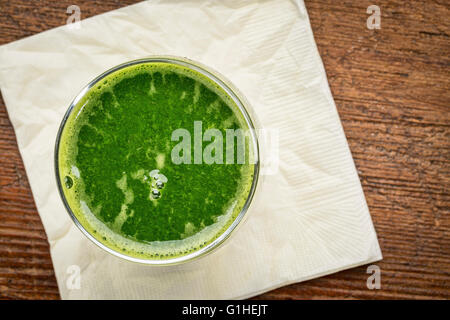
(392, 91)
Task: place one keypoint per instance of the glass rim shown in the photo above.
(232, 93)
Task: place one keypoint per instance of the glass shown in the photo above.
(243, 106)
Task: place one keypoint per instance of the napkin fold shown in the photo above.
(310, 218)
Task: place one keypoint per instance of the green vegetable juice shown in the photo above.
(117, 168)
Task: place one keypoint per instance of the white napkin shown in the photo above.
(311, 218)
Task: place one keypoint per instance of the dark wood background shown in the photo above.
(392, 91)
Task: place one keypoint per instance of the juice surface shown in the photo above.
(116, 167)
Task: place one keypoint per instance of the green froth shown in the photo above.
(120, 131)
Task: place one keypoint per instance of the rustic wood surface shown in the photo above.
(392, 91)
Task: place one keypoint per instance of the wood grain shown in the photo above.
(392, 91)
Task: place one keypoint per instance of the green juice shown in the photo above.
(116, 169)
